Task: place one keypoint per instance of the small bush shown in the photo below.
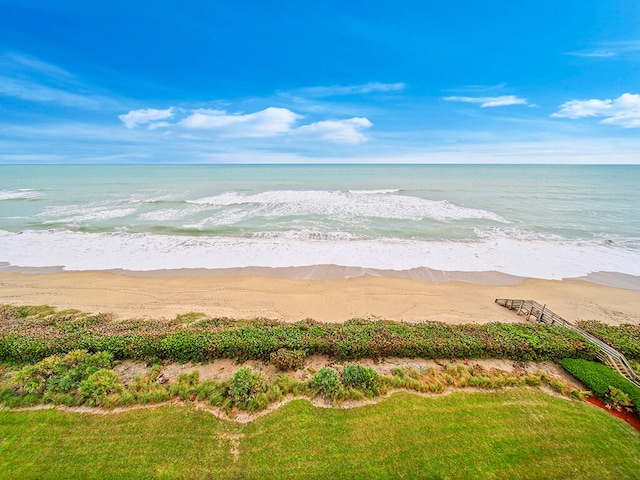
(359, 377)
(99, 386)
(285, 359)
(245, 385)
(327, 382)
(60, 373)
(618, 400)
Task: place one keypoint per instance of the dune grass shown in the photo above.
(518, 433)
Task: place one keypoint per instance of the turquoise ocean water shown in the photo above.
(539, 221)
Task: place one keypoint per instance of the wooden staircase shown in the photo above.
(607, 354)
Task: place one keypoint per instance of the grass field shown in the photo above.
(518, 433)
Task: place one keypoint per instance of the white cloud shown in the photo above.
(348, 131)
(609, 50)
(34, 92)
(341, 90)
(594, 54)
(623, 111)
(20, 63)
(26, 157)
(269, 122)
(30, 79)
(145, 116)
(500, 101)
(583, 108)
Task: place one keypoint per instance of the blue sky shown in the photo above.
(334, 81)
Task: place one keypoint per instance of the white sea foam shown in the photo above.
(307, 235)
(373, 192)
(74, 214)
(93, 251)
(169, 214)
(20, 194)
(345, 206)
(516, 233)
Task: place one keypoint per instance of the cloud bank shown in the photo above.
(623, 111)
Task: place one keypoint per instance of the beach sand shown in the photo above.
(250, 295)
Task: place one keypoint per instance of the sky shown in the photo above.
(427, 81)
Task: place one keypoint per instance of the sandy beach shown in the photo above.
(166, 294)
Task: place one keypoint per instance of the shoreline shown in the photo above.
(335, 272)
(297, 293)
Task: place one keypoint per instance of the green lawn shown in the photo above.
(520, 433)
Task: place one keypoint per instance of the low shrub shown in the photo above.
(357, 376)
(245, 386)
(99, 386)
(285, 359)
(31, 334)
(60, 373)
(81, 378)
(326, 381)
(618, 400)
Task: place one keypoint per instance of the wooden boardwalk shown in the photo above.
(607, 354)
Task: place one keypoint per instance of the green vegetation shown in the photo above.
(286, 359)
(99, 386)
(247, 389)
(618, 400)
(67, 358)
(79, 378)
(624, 338)
(358, 376)
(327, 382)
(599, 378)
(29, 334)
(518, 433)
(72, 379)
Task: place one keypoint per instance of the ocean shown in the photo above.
(550, 222)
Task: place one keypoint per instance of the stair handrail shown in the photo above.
(614, 355)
